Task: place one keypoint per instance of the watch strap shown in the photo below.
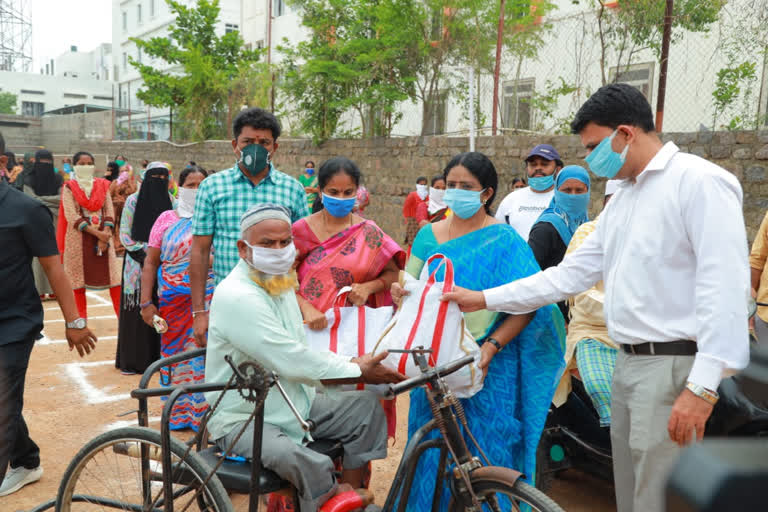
(495, 343)
(700, 391)
(77, 323)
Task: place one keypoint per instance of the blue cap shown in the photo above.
(544, 151)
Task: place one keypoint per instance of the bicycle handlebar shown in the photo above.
(442, 371)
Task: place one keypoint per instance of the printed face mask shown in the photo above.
(604, 161)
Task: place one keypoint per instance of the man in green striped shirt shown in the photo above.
(223, 197)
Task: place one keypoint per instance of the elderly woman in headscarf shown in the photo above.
(552, 232)
(138, 344)
(84, 233)
(44, 184)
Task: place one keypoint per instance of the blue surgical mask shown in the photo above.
(338, 207)
(604, 161)
(310, 171)
(67, 168)
(542, 183)
(574, 205)
(254, 158)
(463, 203)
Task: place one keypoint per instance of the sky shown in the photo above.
(58, 24)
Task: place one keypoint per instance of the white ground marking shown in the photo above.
(92, 394)
(109, 305)
(61, 320)
(47, 341)
(98, 298)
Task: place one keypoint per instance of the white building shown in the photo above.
(74, 79)
(37, 94)
(571, 52)
(145, 19)
(96, 64)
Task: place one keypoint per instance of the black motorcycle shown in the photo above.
(573, 437)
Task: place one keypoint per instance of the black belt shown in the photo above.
(664, 348)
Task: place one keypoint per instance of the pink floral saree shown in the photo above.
(356, 255)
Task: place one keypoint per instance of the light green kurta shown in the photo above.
(250, 325)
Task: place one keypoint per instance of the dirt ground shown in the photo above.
(69, 400)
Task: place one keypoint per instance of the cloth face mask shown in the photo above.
(254, 157)
(463, 203)
(422, 191)
(187, 197)
(274, 262)
(604, 161)
(310, 171)
(541, 183)
(338, 207)
(84, 177)
(574, 205)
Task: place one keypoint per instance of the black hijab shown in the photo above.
(43, 179)
(153, 200)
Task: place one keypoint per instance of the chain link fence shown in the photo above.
(717, 79)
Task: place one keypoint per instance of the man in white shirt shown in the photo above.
(522, 207)
(255, 317)
(671, 248)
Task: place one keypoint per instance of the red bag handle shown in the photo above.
(442, 311)
(338, 302)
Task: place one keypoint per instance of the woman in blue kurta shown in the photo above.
(508, 415)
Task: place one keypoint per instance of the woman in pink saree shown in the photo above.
(337, 248)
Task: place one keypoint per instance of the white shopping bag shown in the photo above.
(351, 331)
(424, 320)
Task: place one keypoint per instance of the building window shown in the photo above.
(30, 91)
(639, 76)
(152, 8)
(517, 104)
(435, 121)
(260, 44)
(231, 27)
(73, 95)
(278, 8)
(32, 108)
(138, 14)
(105, 98)
(125, 21)
(125, 61)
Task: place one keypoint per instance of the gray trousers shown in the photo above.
(643, 392)
(358, 422)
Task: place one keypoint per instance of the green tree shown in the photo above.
(353, 60)
(206, 77)
(7, 103)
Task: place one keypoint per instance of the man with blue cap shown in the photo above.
(522, 208)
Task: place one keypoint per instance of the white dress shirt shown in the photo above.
(671, 248)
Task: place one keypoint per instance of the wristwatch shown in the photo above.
(700, 391)
(495, 343)
(77, 323)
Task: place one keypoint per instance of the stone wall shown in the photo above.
(391, 166)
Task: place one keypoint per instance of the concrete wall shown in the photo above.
(64, 132)
(390, 166)
(21, 133)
